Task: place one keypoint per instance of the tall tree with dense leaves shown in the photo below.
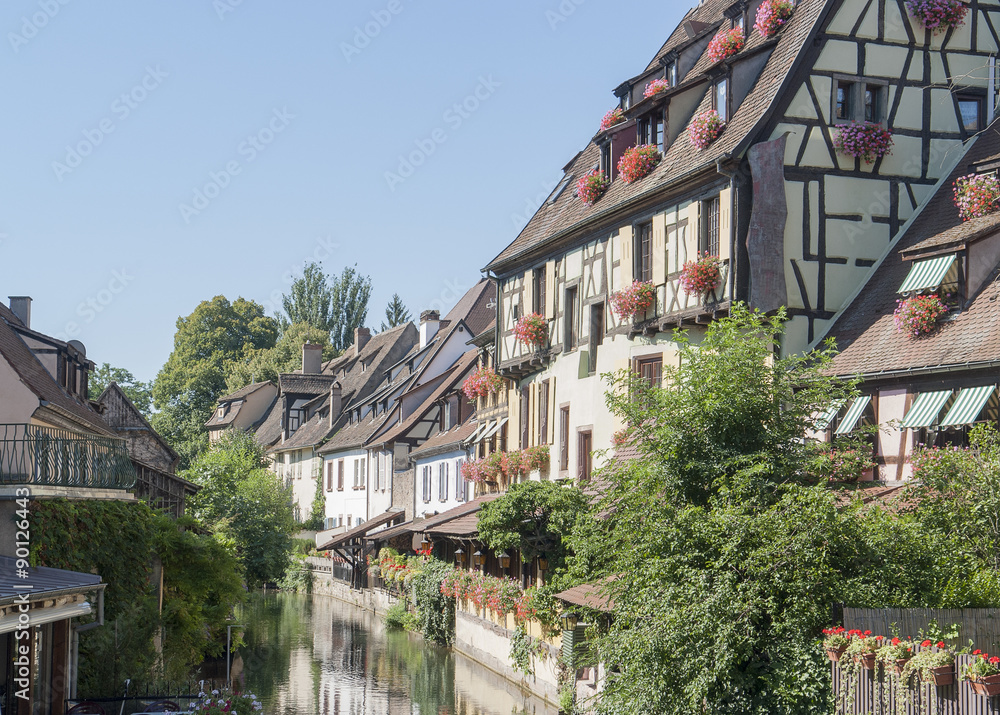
(311, 300)
(141, 393)
(286, 356)
(217, 333)
(395, 313)
(351, 292)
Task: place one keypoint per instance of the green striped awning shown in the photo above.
(824, 420)
(853, 414)
(925, 409)
(968, 405)
(927, 274)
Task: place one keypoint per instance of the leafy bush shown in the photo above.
(435, 610)
(398, 617)
(298, 576)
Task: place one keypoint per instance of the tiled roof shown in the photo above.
(231, 414)
(464, 526)
(353, 436)
(567, 214)
(292, 383)
(865, 331)
(359, 531)
(309, 434)
(588, 595)
(244, 392)
(44, 581)
(268, 430)
(449, 438)
(421, 525)
(474, 307)
(955, 237)
(708, 13)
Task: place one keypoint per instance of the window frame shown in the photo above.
(980, 100)
(443, 477)
(711, 226)
(571, 310)
(642, 245)
(543, 413)
(538, 290)
(857, 89)
(461, 485)
(584, 454)
(564, 433)
(340, 475)
(724, 112)
(655, 377)
(598, 328)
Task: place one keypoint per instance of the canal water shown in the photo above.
(315, 655)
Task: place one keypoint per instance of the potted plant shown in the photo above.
(655, 87)
(613, 117)
(635, 299)
(726, 44)
(896, 654)
(772, 15)
(863, 648)
(938, 15)
(532, 329)
(918, 315)
(864, 140)
(705, 128)
(835, 642)
(983, 674)
(638, 161)
(700, 275)
(481, 383)
(935, 663)
(592, 187)
(977, 195)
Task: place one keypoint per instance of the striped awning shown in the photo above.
(925, 409)
(824, 420)
(494, 429)
(853, 414)
(968, 405)
(927, 274)
(482, 433)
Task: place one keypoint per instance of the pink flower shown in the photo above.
(976, 195)
(938, 15)
(726, 44)
(704, 128)
(772, 15)
(700, 275)
(592, 187)
(637, 162)
(613, 117)
(532, 329)
(655, 87)
(866, 140)
(637, 298)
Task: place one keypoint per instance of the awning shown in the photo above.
(482, 433)
(359, 531)
(824, 420)
(927, 274)
(925, 409)
(853, 414)
(495, 428)
(968, 405)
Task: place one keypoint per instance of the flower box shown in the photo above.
(726, 44)
(918, 315)
(988, 685)
(944, 675)
(976, 195)
(705, 129)
(635, 299)
(481, 383)
(772, 15)
(592, 187)
(834, 653)
(613, 117)
(864, 140)
(532, 330)
(938, 15)
(701, 275)
(637, 162)
(899, 665)
(866, 661)
(655, 87)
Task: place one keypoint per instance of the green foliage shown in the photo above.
(567, 698)
(317, 512)
(398, 617)
(351, 292)
(522, 647)
(185, 391)
(140, 393)
(435, 611)
(298, 576)
(395, 313)
(286, 356)
(310, 301)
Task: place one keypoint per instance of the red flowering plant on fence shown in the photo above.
(613, 117)
(500, 595)
(481, 383)
(984, 673)
(592, 187)
(701, 275)
(635, 299)
(705, 128)
(532, 329)
(938, 15)
(506, 466)
(919, 315)
(726, 44)
(638, 161)
(864, 140)
(655, 87)
(976, 195)
(772, 15)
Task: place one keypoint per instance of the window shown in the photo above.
(971, 111)
(364, 473)
(650, 369)
(596, 334)
(606, 160)
(644, 252)
(711, 235)
(294, 417)
(543, 413)
(538, 291)
(329, 476)
(856, 100)
(584, 458)
(357, 473)
(570, 319)
(525, 398)
(427, 484)
(844, 109)
(564, 438)
(873, 109)
(340, 475)
(672, 74)
(443, 481)
(459, 481)
(721, 98)
(651, 130)
(340, 519)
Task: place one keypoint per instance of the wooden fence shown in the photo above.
(979, 625)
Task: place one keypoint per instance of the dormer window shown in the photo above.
(651, 130)
(672, 73)
(605, 165)
(720, 98)
(932, 274)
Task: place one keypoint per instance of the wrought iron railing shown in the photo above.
(53, 457)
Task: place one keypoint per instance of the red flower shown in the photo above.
(868, 633)
(895, 641)
(925, 644)
(994, 660)
(940, 644)
(976, 652)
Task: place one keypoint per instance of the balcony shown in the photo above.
(42, 456)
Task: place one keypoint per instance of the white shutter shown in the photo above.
(725, 223)
(550, 289)
(528, 304)
(659, 249)
(625, 256)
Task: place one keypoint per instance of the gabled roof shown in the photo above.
(115, 389)
(477, 307)
(293, 383)
(244, 392)
(569, 216)
(865, 331)
(448, 440)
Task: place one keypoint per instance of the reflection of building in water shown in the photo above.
(479, 690)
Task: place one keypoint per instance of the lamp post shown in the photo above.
(229, 639)
(504, 561)
(568, 619)
(460, 556)
(477, 558)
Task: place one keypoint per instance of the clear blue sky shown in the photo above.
(117, 111)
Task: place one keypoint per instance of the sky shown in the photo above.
(158, 154)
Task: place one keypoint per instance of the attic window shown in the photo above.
(930, 274)
(559, 189)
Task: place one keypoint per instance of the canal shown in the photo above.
(315, 655)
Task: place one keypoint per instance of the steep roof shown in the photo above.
(477, 307)
(268, 430)
(452, 438)
(244, 392)
(115, 389)
(293, 383)
(568, 215)
(865, 331)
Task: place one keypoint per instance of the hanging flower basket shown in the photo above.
(988, 686)
(772, 15)
(864, 140)
(983, 674)
(701, 275)
(635, 299)
(637, 162)
(705, 128)
(615, 116)
(481, 383)
(655, 87)
(919, 315)
(506, 465)
(532, 330)
(592, 187)
(938, 15)
(726, 44)
(977, 195)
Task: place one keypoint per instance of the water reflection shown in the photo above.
(319, 655)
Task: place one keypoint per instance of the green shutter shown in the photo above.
(824, 420)
(925, 409)
(968, 405)
(927, 274)
(853, 414)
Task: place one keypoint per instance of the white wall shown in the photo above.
(451, 461)
(345, 506)
(17, 402)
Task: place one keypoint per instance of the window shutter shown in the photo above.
(550, 289)
(527, 286)
(693, 233)
(552, 410)
(725, 222)
(625, 258)
(533, 414)
(659, 249)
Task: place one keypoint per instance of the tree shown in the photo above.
(141, 393)
(286, 356)
(185, 391)
(395, 313)
(351, 292)
(310, 301)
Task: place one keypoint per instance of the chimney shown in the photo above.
(336, 402)
(312, 359)
(430, 321)
(361, 338)
(20, 305)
